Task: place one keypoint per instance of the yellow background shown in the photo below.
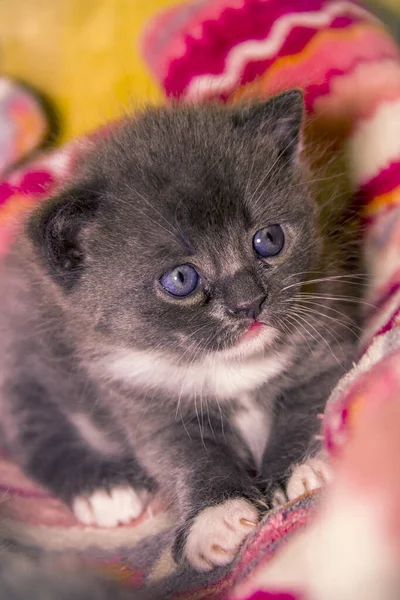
(84, 54)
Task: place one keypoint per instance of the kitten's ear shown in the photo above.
(56, 230)
(279, 119)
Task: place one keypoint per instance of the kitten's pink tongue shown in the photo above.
(253, 330)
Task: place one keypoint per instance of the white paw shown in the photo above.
(217, 532)
(108, 509)
(314, 473)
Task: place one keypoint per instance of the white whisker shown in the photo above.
(338, 278)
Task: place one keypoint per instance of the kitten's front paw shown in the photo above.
(217, 533)
(105, 508)
(313, 474)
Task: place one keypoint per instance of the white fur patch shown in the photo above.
(313, 474)
(219, 376)
(217, 533)
(254, 426)
(109, 509)
(92, 435)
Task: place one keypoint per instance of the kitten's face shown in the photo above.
(186, 231)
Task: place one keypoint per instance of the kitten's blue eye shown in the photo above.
(181, 281)
(269, 241)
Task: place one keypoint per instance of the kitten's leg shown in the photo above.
(102, 482)
(215, 497)
(294, 436)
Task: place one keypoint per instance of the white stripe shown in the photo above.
(376, 143)
(241, 54)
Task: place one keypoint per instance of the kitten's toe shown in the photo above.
(314, 473)
(217, 533)
(279, 498)
(105, 508)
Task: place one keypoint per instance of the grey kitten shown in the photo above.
(153, 335)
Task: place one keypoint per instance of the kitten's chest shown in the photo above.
(253, 423)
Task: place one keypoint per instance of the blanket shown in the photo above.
(347, 543)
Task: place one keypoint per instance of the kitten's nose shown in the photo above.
(251, 310)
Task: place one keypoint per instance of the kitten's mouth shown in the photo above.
(253, 331)
(257, 332)
(253, 340)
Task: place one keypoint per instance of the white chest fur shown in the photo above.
(224, 379)
(253, 424)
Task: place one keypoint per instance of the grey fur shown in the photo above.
(80, 292)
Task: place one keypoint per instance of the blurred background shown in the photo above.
(84, 56)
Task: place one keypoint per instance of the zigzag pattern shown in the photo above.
(253, 50)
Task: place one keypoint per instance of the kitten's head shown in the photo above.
(185, 230)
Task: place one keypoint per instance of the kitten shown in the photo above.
(153, 338)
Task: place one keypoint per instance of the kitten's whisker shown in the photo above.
(199, 355)
(319, 334)
(209, 419)
(327, 178)
(145, 411)
(338, 278)
(347, 318)
(315, 314)
(156, 223)
(159, 213)
(202, 415)
(197, 343)
(196, 355)
(301, 273)
(297, 325)
(271, 169)
(351, 299)
(183, 422)
(198, 419)
(316, 272)
(176, 219)
(221, 413)
(321, 314)
(209, 339)
(256, 155)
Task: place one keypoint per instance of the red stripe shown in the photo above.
(316, 91)
(207, 55)
(6, 191)
(386, 181)
(296, 41)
